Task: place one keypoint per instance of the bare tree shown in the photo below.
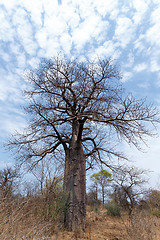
(76, 111)
(153, 199)
(8, 177)
(46, 169)
(129, 186)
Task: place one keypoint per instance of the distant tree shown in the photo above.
(52, 197)
(76, 112)
(45, 170)
(92, 199)
(129, 187)
(102, 178)
(7, 181)
(153, 199)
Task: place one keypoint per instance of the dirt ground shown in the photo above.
(99, 226)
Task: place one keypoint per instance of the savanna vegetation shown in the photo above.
(29, 212)
(78, 117)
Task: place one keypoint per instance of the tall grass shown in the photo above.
(143, 226)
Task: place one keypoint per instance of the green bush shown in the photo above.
(113, 209)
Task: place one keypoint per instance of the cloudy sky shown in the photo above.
(128, 31)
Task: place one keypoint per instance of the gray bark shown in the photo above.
(75, 185)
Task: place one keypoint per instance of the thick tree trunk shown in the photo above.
(75, 186)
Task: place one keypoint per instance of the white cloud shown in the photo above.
(130, 61)
(85, 8)
(92, 28)
(36, 9)
(24, 31)
(10, 87)
(124, 31)
(54, 25)
(6, 30)
(153, 32)
(154, 66)
(140, 67)
(41, 37)
(34, 62)
(153, 35)
(139, 43)
(69, 14)
(15, 48)
(66, 43)
(52, 49)
(21, 60)
(126, 76)
(155, 16)
(4, 55)
(144, 85)
(19, 17)
(26, 38)
(50, 7)
(10, 5)
(11, 122)
(107, 50)
(141, 9)
(103, 7)
(83, 33)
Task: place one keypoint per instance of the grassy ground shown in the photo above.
(24, 221)
(100, 226)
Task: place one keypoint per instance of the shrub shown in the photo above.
(156, 212)
(113, 209)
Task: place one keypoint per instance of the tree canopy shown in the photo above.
(101, 178)
(63, 92)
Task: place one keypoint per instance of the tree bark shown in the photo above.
(103, 195)
(75, 186)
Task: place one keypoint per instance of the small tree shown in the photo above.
(153, 199)
(7, 181)
(129, 186)
(102, 179)
(76, 110)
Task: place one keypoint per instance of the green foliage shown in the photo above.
(113, 209)
(103, 174)
(102, 178)
(54, 200)
(56, 208)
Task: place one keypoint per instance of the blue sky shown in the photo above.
(128, 31)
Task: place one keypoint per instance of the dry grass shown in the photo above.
(143, 226)
(100, 226)
(24, 219)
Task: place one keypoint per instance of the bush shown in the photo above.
(156, 212)
(113, 209)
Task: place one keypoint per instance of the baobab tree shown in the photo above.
(77, 110)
